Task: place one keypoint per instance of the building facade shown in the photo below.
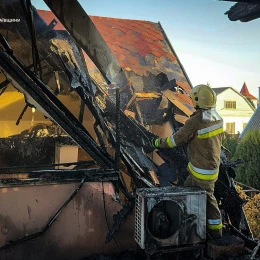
(235, 109)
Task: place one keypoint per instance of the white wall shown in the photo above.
(240, 115)
(239, 122)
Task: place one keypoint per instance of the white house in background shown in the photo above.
(234, 108)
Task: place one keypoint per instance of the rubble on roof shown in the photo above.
(148, 65)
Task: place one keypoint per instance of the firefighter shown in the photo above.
(203, 134)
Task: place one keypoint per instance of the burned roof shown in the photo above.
(253, 123)
(140, 46)
(144, 53)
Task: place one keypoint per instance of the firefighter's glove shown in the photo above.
(151, 145)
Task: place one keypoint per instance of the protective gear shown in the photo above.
(203, 97)
(204, 138)
(214, 223)
(151, 145)
(204, 145)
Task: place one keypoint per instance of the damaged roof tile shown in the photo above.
(141, 47)
(135, 36)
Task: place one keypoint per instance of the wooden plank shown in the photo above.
(172, 96)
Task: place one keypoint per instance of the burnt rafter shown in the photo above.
(72, 16)
(45, 101)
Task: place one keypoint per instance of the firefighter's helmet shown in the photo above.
(203, 97)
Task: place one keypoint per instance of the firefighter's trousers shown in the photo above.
(214, 223)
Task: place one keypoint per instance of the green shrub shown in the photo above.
(230, 143)
(248, 149)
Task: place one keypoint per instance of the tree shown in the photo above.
(251, 102)
(230, 143)
(248, 149)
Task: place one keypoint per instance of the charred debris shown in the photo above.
(244, 10)
(127, 107)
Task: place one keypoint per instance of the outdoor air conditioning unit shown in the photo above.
(170, 216)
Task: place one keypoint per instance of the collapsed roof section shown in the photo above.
(149, 65)
(153, 85)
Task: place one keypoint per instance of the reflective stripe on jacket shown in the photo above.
(214, 224)
(204, 139)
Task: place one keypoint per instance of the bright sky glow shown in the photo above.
(211, 48)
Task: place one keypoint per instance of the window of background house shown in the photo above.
(230, 128)
(230, 104)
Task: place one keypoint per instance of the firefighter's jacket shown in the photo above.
(203, 133)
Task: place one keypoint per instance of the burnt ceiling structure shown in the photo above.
(152, 83)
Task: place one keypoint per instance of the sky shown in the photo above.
(211, 48)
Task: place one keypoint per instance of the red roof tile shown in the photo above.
(48, 16)
(130, 40)
(245, 92)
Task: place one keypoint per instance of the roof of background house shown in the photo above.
(244, 91)
(253, 123)
(220, 90)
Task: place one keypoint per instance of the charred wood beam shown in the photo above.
(27, 168)
(81, 111)
(256, 249)
(28, 13)
(21, 115)
(41, 59)
(130, 128)
(72, 16)
(119, 218)
(91, 104)
(118, 132)
(3, 86)
(43, 41)
(99, 135)
(45, 177)
(137, 171)
(26, 82)
(249, 243)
